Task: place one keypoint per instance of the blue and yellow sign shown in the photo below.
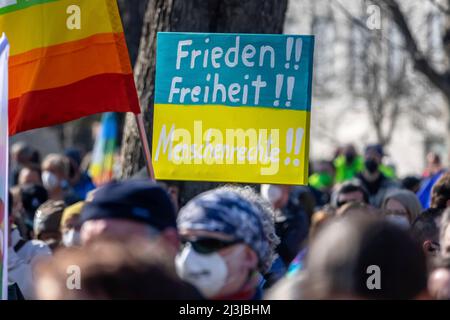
(233, 107)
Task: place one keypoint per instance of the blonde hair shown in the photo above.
(319, 219)
(60, 162)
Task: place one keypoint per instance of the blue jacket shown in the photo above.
(424, 193)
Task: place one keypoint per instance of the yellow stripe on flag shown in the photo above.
(67, 63)
(46, 25)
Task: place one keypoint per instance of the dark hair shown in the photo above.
(33, 168)
(348, 187)
(35, 157)
(111, 269)
(426, 227)
(377, 148)
(10, 203)
(342, 253)
(23, 150)
(32, 196)
(411, 183)
(73, 154)
(436, 158)
(440, 193)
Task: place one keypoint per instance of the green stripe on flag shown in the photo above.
(110, 146)
(15, 5)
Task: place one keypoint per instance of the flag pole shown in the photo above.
(145, 145)
(4, 174)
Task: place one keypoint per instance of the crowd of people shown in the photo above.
(356, 231)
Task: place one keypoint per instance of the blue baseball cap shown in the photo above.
(138, 200)
(73, 154)
(377, 148)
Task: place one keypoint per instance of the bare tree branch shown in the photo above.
(395, 112)
(420, 61)
(361, 24)
(351, 17)
(421, 64)
(441, 8)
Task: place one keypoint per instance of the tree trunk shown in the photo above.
(132, 14)
(234, 16)
(156, 19)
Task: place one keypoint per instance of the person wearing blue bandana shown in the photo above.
(228, 242)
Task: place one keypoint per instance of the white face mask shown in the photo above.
(49, 180)
(71, 238)
(399, 220)
(271, 193)
(207, 272)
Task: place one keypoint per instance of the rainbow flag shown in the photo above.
(101, 169)
(69, 59)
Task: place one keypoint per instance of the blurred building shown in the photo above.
(46, 140)
(364, 77)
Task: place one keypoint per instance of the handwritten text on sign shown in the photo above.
(232, 107)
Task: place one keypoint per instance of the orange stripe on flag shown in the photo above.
(101, 93)
(64, 64)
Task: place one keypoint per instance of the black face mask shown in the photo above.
(349, 157)
(371, 165)
(72, 171)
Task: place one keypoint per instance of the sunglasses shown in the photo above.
(208, 245)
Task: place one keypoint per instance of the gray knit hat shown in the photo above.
(408, 199)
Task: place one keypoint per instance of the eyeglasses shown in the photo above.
(342, 202)
(208, 245)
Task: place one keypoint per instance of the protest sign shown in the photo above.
(4, 51)
(232, 107)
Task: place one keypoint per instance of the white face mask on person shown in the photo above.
(71, 238)
(49, 180)
(271, 193)
(207, 272)
(399, 220)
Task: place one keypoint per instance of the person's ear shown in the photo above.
(429, 248)
(426, 246)
(251, 259)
